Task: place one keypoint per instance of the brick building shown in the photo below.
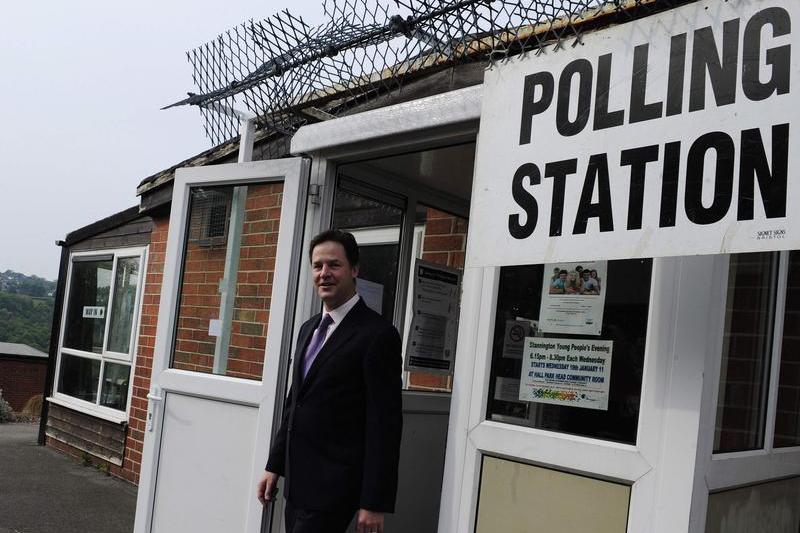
(23, 370)
(175, 321)
(78, 418)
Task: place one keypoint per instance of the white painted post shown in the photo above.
(227, 285)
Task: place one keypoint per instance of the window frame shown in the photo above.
(94, 408)
(774, 371)
(646, 352)
(718, 472)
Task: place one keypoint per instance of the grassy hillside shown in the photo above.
(26, 309)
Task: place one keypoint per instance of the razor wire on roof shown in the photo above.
(288, 73)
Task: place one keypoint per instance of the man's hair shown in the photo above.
(344, 238)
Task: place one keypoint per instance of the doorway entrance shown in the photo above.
(408, 211)
(427, 195)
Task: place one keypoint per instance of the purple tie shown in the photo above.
(316, 343)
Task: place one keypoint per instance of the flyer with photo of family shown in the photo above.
(573, 297)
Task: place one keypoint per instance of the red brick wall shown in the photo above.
(200, 298)
(445, 240)
(444, 243)
(22, 379)
(134, 441)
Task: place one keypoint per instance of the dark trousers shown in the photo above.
(308, 521)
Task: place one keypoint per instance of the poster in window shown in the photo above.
(573, 297)
(514, 336)
(431, 344)
(94, 311)
(572, 372)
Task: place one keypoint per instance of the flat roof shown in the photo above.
(13, 348)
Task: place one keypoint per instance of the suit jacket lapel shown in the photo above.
(340, 335)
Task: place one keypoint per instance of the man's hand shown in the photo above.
(369, 522)
(267, 487)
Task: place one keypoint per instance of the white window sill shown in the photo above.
(111, 415)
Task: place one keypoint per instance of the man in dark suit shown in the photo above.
(339, 441)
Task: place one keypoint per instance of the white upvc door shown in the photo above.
(684, 311)
(209, 428)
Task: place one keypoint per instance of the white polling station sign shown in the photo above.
(670, 135)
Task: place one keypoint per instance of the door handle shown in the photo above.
(151, 409)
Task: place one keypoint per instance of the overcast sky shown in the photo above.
(81, 85)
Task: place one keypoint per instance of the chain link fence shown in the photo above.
(288, 73)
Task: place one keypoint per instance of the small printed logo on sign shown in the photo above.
(516, 333)
(771, 234)
(94, 312)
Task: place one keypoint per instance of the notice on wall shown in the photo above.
(431, 343)
(94, 311)
(371, 293)
(573, 298)
(572, 372)
(514, 336)
(676, 134)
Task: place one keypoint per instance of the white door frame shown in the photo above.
(438, 120)
(724, 471)
(681, 311)
(293, 173)
(684, 315)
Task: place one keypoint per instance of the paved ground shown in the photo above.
(42, 491)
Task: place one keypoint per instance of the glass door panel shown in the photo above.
(226, 281)
(521, 306)
(376, 225)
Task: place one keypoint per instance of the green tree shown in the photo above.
(26, 320)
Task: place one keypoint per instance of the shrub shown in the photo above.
(33, 409)
(6, 413)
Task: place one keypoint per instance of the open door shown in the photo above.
(224, 325)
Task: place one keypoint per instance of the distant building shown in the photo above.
(23, 371)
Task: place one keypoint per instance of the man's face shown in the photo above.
(333, 276)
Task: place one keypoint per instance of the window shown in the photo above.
(98, 336)
(568, 350)
(746, 352)
(211, 208)
(376, 226)
(758, 406)
(226, 280)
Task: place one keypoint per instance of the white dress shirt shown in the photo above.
(337, 315)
